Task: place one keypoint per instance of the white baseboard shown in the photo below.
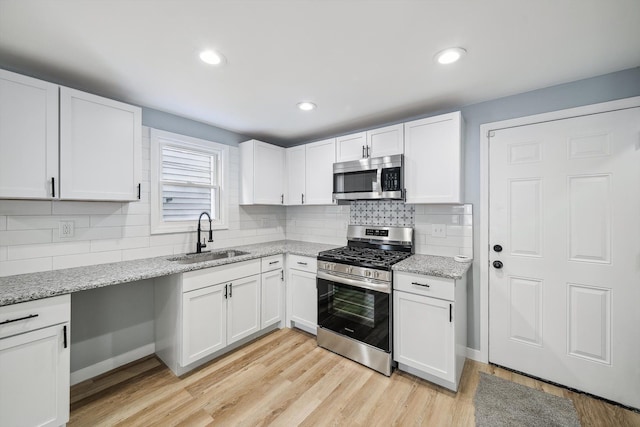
(109, 364)
(476, 355)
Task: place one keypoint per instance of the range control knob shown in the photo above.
(376, 274)
(367, 273)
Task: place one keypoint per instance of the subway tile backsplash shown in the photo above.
(113, 231)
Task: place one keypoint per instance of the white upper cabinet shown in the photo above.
(28, 137)
(262, 172)
(296, 158)
(384, 141)
(319, 172)
(433, 159)
(100, 147)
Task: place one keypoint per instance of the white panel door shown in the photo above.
(35, 390)
(386, 141)
(272, 298)
(351, 147)
(100, 147)
(243, 306)
(295, 175)
(268, 178)
(565, 210)
(320, 157)
(28, 137)
(204, 323)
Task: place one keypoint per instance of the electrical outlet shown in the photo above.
(66, 229)
(438, 230)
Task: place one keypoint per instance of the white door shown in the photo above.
(565, 209)
(28, 137)
(204, 321)
(320, 157)
(243, 308)
(271, 294)
(100, 147)
(386, 141)
(295, 175)
(35, 390)
(351, 147)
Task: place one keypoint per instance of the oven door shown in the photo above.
(358, 313)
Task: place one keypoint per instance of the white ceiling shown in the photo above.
(363, 62)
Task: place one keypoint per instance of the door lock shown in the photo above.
(498, 264)
(497, 248)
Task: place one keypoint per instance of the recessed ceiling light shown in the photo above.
(211, 57)
(449, 56)
(306, 106)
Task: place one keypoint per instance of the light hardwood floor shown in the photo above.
(284, 379)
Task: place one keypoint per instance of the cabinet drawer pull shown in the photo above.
(302, 263)
(273, 262)
(421, 284)
(31, 316)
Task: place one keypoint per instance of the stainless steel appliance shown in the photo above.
(354, 286)
(371, 178)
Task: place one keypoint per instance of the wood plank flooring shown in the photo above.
(284, 379)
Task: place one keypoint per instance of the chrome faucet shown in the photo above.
(199, 245)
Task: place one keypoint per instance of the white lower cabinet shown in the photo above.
(302, 297)
(429, 327)
(243, 308)
(272, 292)
(34, 362)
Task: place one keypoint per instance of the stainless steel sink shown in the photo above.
(206, 256)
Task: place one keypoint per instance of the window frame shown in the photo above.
(158, 140)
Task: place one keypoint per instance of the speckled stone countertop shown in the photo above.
(439, 266)
(32, 286)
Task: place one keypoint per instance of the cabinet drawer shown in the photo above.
(303, 263)
(270, 263)
(212, 276)
(436, 287)
(32, 315)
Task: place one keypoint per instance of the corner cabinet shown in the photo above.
(34, 362)
(433, 159)
(100, 148)
(429, 327)
(262, 173)
(310, 173)
(60, 143)
(302, 296)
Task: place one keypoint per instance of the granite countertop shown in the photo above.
(439, 266)
(32, 286)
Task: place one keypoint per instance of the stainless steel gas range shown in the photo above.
(354, 294)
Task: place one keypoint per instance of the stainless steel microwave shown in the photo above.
(369, 179)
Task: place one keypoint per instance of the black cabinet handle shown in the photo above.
(64, 336)
(282, 199)
(273, 262)
(230, 290)
(282, 275)
(363, 151)
(302, 263)
(302, 198)
(225, 291)
(450, 313)
(53, 186)
(367, 151)
(139, 190)
(421, 284)
(31, 316)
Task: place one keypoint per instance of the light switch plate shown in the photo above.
(438, 230)
(66, 229)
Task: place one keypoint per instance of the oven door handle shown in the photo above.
(378, 287)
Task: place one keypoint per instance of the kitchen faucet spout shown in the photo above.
(200, 246)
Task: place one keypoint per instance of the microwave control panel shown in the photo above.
(391, 179)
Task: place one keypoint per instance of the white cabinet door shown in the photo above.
(303, 300)
(272, 298)
(386, 141)
(262, 173)
(100, 147)
(28, 137)
(351, 147)
(433, 159)
(243, 308)
(34, 391)
(204, 323)
(320, 157)
(295, 175)
(423, 334)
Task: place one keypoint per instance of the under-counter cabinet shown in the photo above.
(310, 173)
(302, 296)
(433, 159)
(60, 143)
(429, 327)
(28, 137)
(384, 141)
(262, 173)
(34, 362)
(272, 291)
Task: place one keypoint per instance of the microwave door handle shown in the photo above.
(379, 177)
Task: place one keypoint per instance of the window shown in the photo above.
(188, 177)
